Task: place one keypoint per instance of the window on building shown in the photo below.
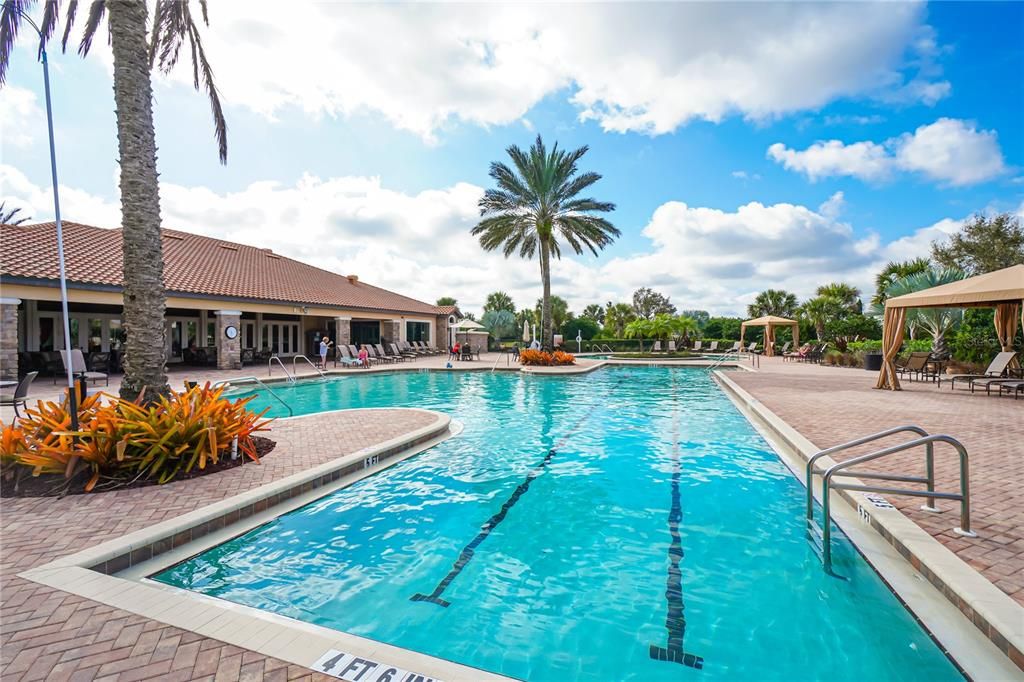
(95, 341)
(75, 343)
(417, 331)
(211, 334)
(365, 332)
(192, 332)
(46, 333)
(117, 335)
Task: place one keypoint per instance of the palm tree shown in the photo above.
(818, 311)
(499, 300)
(558, 311)
(893, 271)
(938, 321)
(638, 329)
(773, 302)
(536, 206)
(847, 296)
(8, 216)
(500, 323)
(446, 301)
(617, 316)
(135, 56)
(595, 312)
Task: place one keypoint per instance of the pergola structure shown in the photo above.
(770, 322)
(1002, 290)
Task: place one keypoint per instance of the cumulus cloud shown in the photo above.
(649, 68)
(950, 151)
(419, 244)
(19, 116)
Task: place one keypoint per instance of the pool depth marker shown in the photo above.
(675, 621)
(467, 552)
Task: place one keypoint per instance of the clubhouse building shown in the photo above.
(278, 306)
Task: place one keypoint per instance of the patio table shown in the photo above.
(5, 383)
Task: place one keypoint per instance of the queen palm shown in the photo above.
(135, 55)
(846, 295)
(776, 302)
(536, 207)
(820, 310)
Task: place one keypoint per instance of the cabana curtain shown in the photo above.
(1006, 326)
(892, 339)
(770, 322)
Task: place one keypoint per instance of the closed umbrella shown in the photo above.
(526, 331)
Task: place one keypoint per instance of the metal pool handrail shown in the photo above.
(964, 496)
(270, 371)
(308, 362)
(247, 380)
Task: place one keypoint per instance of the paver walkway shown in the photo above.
(52, 635)
(830, 405)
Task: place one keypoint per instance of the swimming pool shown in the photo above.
(628, 524)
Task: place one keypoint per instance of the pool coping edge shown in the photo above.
(92, 573)
(991, 611)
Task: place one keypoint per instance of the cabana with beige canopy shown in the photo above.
(770, 322)
(1002, 290)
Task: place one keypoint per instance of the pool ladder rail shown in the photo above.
(270, 368)
(255, 380)
(308, 362)
(821, 536)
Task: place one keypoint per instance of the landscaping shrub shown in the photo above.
(540, 358)
(124, 440)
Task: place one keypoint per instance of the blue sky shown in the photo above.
(745, 145)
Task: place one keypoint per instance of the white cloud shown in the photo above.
(953, 151)
(648, 68)
(950, 151)
(19, 116)
(865, 160)
(419, 244)
(744, 175)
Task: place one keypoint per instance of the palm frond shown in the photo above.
(10, 22)
(69, 21)
(92, 23)
(51, 12)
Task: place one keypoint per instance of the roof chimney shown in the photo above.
(352, 279)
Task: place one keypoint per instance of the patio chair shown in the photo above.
(78, 366)
(696, 347)
(466, 352)
(20, 396)
(996, 368)
(915, 365)
(404, 354)
(736, 347)
(671, 346)
(391, 351)
(752, 348)
(798, 354)
(785, 348)
(656, 348)
(713, 347)
(248, 355)
(376, 358)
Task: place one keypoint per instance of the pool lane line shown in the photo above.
(469, 550)
(675, 620)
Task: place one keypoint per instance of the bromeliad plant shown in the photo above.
(123, 440)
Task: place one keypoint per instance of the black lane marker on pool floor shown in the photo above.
(467, 552)
(675, 621)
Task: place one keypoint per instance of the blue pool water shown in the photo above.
(603, 513)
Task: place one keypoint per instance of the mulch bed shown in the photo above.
(54, 485)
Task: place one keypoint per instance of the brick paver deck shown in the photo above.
(830, 405)
(50, 634)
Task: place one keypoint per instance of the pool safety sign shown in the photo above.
(361, 669)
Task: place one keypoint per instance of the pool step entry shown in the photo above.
(308, 362)
(821, 536)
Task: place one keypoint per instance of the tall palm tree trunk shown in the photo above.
(546, 322)
(144, 302)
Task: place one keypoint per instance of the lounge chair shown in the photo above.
(696, 347)
(785, 348)
(430, 350)
(656, 348)
(816, 353)
(736, 347)
(752, 348)
(798, 354)
(410, 348)
(375, 356)
(78, 366)
(713, 347)
(382, 351)
(345, 358)
(995, 369)
(1014, 386)
(915, 364)
(407, 354)
(671, 346)
(20, 396)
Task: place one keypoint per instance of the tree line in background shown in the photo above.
(836, 314)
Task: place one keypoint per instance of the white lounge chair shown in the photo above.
(995, 370)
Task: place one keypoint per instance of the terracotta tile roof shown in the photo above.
(193, 264)
(446, 309)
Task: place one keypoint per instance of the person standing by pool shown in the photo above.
(325, 344)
